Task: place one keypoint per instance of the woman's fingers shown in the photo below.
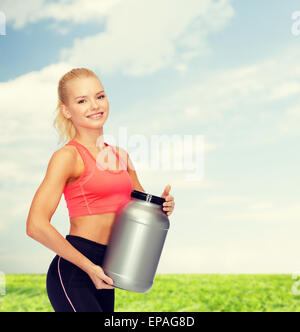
(100, 279)
(106, 281)
(104, 277)
(103, 285)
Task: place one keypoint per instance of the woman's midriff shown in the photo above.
(96, 228)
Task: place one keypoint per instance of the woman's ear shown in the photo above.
(65, 111)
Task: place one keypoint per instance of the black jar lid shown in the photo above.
(147, 197)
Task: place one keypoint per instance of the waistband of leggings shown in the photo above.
(83, 240)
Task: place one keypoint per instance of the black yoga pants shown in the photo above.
(70, 289)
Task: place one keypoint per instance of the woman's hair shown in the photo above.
(64, 126)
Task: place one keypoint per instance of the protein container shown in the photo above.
(136, 242)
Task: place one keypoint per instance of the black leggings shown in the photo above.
(70, 289)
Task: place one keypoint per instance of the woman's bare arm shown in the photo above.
(43, 206)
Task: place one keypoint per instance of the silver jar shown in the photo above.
(136, 242)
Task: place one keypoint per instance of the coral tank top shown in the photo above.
(97, 190)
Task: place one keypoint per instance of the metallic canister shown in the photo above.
(136, 242)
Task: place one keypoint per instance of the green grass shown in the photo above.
(172, 292)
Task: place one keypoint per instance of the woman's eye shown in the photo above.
(82, 100)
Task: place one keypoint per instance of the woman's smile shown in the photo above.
(96, 116)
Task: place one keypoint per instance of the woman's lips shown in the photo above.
(96, 115)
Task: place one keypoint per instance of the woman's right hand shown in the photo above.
(99, 278)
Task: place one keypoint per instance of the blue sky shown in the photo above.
(225, 70)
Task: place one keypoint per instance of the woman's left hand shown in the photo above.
(169, 203)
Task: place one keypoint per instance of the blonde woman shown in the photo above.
(94, 189)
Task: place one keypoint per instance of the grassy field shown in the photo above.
(172, 292)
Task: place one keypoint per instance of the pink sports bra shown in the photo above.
(97, 190)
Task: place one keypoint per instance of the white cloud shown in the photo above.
(36, 261)
(16, 172)
(27, 112)
(290, 122)
(284, 90)
(238, 99)
(21, 13)
(80, 11)
(140, 37)
(144, 37)
(252, 207)
(266, 212)
(232, 234)
(2, 223)
(36, 93)
(294, 112)
(225, 257)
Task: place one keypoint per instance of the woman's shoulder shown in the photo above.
(66, 154)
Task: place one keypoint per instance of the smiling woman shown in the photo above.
(94, 194)
(97, 180)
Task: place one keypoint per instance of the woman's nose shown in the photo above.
(94, 104)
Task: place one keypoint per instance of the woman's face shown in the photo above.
(86, 97)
